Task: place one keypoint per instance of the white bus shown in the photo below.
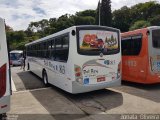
(5, 83)
(15, 57)
(78, 59)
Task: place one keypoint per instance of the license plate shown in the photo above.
(101, 79)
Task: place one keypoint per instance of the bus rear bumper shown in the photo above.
(4, 104)
(79, 88)
(152, 79)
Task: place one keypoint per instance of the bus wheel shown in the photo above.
(28, 67)
(0, 116)
(3, 116)
(45, 78)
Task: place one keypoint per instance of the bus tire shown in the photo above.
(28, 67)
(45, 78)
(0, 116)
(3, 116)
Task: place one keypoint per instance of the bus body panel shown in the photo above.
(93, 67)
(62, 74)
(5, 73)
(106, 77)
(136, 68)
(132, 67)
(154, 57)
(78, 88)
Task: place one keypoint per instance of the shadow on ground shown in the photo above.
(150, 92)
(28, 81)
(63, 105)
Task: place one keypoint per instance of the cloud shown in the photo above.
(19, 13)
(39, 10)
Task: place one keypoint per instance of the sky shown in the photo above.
(19, 13)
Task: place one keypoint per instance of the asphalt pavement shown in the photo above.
(32, 100)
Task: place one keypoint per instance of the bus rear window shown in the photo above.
(94, 42)
(131, 45)
(156, 38)
(15, 56)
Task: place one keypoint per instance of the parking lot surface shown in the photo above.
(32, 100)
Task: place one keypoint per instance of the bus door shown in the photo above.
(154, 50)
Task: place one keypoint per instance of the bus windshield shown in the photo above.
(15, 56)
(94, 42)
(156, 38)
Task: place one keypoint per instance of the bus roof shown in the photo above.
(16, 51)
(65, 30)
(151, 27)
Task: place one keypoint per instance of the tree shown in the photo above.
(86, 17)
(126, 18)
(155, 21)
(143, 11)
(88, 20)
(97, 13)
(85, 13)
(106, 15)
(40, 27)
(8, 28)
(64, 22)
(121, 19)
(140, 24)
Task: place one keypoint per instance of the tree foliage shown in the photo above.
(126, 18)
(122, 18)
(106, 15)
(97, 13)
(155, 20)
(103, 13)
(140, 24)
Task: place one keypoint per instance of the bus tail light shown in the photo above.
(77, 69)
(3, 79)
(78, 73)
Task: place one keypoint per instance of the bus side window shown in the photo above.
(52, 55)
(47, 49)
(65, 48)
(35, 50)
(31, 50)
(43, 49)
(38, 50)
(137, 42)
(126, 45)
(62, 47)
(58, 52)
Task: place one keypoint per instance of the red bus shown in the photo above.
(141, 55)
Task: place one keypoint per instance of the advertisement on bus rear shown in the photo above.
(98, 39)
